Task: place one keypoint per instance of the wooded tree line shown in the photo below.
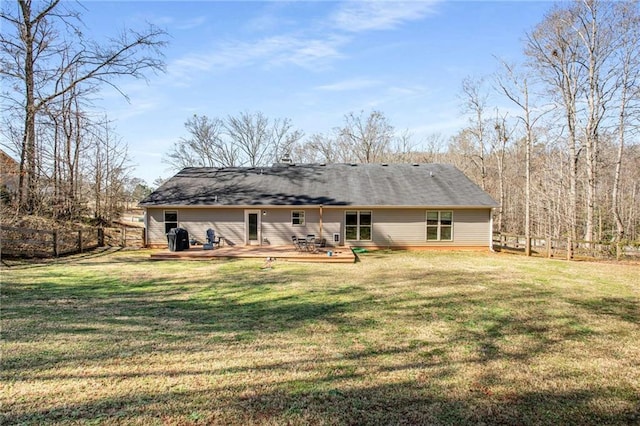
(71, 162)
(252, 139)
(565, 156)
(554, 139)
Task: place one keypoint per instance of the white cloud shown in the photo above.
(349, 85)
(304, 52)
(190, 24)
(358, 16)
(170, 21)
(312, 48)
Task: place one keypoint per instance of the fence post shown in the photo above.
(123, 235)
(55, 242)
(100, 237)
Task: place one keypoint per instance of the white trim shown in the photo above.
(439, 226)
(491, 231)
(146, 227)
(304, 218)
(164, 218)
(258, 213)
(370, 211)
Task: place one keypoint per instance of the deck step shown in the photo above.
(281, 253)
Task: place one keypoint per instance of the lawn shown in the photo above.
(398, 338)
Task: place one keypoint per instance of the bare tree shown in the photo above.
(554, 55)
(283, 138)
(501, 140)
(319, 148)
(261, 141)
(403, 149)
(628, 94)
(204, 147)
(249, 138)
(34, 51)
(250, 133)
(368, 138)
(577, 50)
(475, 103)
(110, 166)
(515, 86)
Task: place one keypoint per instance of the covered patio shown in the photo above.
(288, 253)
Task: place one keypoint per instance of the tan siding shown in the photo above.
(332, 223)
(471, 227)
(277, 228)
(227, 223)
(391, 227)
(407, 228)
(399, 227)
(155, 224)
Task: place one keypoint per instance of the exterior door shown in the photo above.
(252, 227)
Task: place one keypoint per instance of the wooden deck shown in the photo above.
(288, 253)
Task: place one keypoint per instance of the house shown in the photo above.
(9, 176)
(364, 205)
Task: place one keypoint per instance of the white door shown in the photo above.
(252, 227)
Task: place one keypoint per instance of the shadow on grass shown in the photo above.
(115, 318)
(414, 403)
(242, 307)
(621, 308)
(30, 263)
(143, 314)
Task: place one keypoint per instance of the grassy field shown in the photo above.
(400, 338)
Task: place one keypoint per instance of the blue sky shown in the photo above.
(310, 61)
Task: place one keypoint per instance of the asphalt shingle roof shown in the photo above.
(316, 184)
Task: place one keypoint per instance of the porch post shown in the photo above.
(320, 222)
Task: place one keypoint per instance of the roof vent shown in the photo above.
(415, 164)
(354, 164)
(323, 164)
(384, 164)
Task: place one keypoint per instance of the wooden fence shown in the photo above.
(555, 247)
(27, 242)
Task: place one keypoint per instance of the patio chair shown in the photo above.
(320, 243)
(212, 239)
(298, 244)
(310, 242)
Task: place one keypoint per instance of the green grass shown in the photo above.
(399, 338)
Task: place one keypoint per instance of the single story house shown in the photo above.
(363, 205)
(9, 174)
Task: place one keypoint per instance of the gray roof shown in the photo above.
(430, 185)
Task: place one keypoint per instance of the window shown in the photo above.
(358, 225)
(439, 226)
(170, 220)
(297, 217)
